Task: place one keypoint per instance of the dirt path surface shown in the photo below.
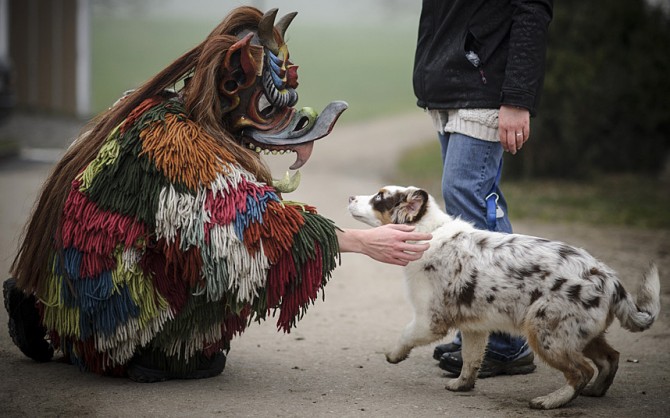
(332, 364)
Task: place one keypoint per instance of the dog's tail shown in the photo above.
(638, 315)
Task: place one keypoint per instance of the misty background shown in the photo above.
(358, 51)
(329, 12)
(605, 106)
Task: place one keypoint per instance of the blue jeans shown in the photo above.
(470, 167)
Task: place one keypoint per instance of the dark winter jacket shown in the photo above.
(481, 53)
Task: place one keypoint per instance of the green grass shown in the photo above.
(624, 199)
(370, 67)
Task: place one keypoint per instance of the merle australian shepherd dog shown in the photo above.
(559, 297)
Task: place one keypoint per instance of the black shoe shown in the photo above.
(143, 370)
(442, 349)
(453, 362)
(25, 325)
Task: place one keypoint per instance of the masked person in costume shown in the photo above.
(160, 235)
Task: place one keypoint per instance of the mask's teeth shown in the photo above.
(260, 150)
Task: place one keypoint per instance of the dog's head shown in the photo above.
(391, 205)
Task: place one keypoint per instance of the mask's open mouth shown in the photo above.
(295, 133)
(302, 151)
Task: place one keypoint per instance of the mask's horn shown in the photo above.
(284, 22)
(265, 30)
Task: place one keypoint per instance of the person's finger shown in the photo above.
(411, 236)
(418, 236)
(502, 135)
(408, 257)
(519, 139)
(511, 141)
(411, 256)
(420, 248)
(411, 252)
(396, 261)
(401, 227)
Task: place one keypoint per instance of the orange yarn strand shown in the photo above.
(183, 151)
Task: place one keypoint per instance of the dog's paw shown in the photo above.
(555, 399)
(594, 391)
(394, 358)
(458, 385)
(540, 402)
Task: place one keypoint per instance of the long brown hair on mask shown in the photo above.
(202, 65)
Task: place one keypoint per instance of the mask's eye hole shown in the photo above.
(230, 86)
(265, 108)
(233, 82)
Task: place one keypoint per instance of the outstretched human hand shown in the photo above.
(392, 244)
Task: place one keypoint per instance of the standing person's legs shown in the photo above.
(470, 168)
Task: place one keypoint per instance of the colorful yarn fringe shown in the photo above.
(167, 246)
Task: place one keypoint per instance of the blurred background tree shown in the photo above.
(606, 102)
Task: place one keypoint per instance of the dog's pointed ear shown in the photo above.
(412, 208)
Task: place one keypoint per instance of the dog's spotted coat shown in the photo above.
(559, 297)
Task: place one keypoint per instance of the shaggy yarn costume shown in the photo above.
(169, 248)
(158, 237)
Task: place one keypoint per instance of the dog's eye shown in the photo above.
(379, 196)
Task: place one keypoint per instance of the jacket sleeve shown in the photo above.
(524, 73)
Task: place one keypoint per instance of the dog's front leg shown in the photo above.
(473, 348)
(416, 333)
